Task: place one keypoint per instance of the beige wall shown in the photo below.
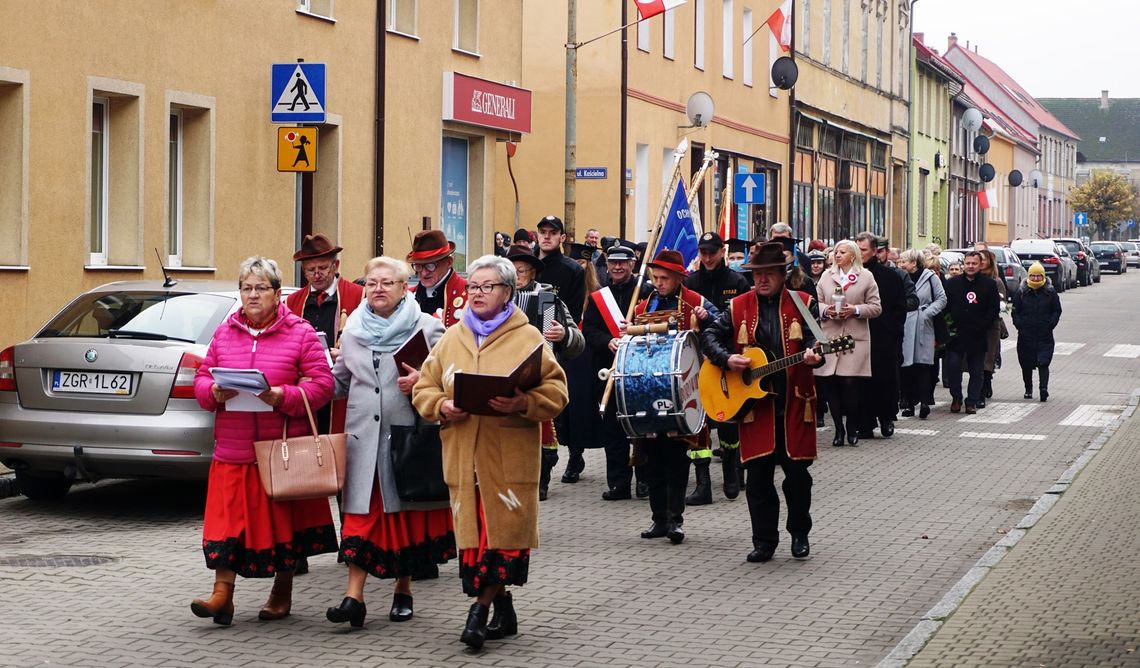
(998, 219)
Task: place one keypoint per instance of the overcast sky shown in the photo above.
(1054, 48)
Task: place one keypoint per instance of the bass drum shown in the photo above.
(655, 378)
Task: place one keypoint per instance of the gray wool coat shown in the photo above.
(918, 333)
(375, 403)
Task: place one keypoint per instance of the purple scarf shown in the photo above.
(483, 328)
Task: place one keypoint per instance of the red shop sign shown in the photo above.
(487, 103)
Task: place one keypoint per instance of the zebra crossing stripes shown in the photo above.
(1092, 415)
(1123, 350)
(1002, 437)
(1001, 413)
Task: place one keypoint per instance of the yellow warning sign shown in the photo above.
(296, 149)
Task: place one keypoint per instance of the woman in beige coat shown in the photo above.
(848, 298)
(491, 463)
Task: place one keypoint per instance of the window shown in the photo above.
(845, 57)
(14, 168)
(174, 192)
(728, 50)
(746, 29)
(321, 8)
(97, 227)
(826, 32)
(643, 36)
(801, 192)
(466, 26)
(865, 34)
(402, 16)
(668, 26)
(699, 34)
(641, 192)
(805, 18)
(879, 53)
(922, 195)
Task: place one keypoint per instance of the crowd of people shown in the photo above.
(912, 321)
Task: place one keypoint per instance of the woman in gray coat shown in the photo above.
(382, 535)
(918, 335)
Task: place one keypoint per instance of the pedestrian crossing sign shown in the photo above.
(297, 93)
(296, 149)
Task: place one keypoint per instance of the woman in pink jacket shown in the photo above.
(245, 532)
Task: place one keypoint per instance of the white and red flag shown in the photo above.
(647, 9)
(780, 23)
(987, 199)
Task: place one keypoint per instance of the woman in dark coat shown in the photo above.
(1036, 312)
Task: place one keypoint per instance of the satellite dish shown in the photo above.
(987, 172)
(785, 72)
(699, 109)
(981, 144)
(972, 120)
(1036, 178)
(1015, 178)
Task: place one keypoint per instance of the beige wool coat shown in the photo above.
(502, 453)
(865, 295)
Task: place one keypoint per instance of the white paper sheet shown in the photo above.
(247, 402)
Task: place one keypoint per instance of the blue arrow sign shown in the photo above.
(748, 188)
(1080, 218)
(297, 93)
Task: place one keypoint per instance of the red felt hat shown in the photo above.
(670, 260)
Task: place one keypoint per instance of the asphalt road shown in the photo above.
(105, 577)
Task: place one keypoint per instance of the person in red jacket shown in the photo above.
(441, 291)
(244, 531)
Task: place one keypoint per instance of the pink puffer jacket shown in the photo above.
(285, 352)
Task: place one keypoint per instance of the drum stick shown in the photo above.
(651, 250)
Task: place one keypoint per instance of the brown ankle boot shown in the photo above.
(220, 605)
(280, 600)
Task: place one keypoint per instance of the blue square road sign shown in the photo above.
(297, 93)
(748, 188)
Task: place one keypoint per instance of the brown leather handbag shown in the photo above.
(301, 467)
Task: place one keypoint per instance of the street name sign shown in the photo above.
(591, 173)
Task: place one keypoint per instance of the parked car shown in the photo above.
(1110, 256)
(1094, 266)
(1060, 271)
(1008, 266)
(947, 257)
(106, 388)
(1131, 252)
(1083, 259)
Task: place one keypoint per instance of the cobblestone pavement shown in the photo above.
(897, 523)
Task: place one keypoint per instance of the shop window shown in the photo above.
(190, 181)
(14, 169)
(402, 16)
(466, 26)
(114, 196)
(699, 34)
(728, 50)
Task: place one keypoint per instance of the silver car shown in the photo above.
(105, 389)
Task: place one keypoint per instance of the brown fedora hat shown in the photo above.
(524, 253)
(430, 245)
(770, 254)
(314, 246)
(670, 260)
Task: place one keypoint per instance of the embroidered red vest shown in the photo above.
(758, 430)
(454, 299)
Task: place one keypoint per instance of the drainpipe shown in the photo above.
(378, 128)
(910, 132)
(571, 113)
(791, 146)
(623, 149)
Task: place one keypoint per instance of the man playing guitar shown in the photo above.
(780, 428)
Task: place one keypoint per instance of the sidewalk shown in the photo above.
(1065, 593)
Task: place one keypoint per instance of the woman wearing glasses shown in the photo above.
(491, 462)
(245, 532)
(383, 536)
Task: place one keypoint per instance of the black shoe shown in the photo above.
(761, 554)
(702, 493)
(923, 411)
(574, 468)
(656, 530)
(819, 421)
(800, 546)
(401, 607)
(981, 403)
(955, 405)
(840, 434)
(853, 439)
(676, 533)
(616, 494)
(475, 631)
(908, 411)
(730, 470)
(504, 622)
(1028, 394)
(641, 490)
(350, 610)
(1044, 395)
(302, 566)
(543, 492)
(888, 428)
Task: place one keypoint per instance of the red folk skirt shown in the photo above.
(395, 545)
(483, 567)
(247, 532)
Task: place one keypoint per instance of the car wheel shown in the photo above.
(43, 486)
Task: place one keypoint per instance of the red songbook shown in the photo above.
(413, 353)
(473, 391)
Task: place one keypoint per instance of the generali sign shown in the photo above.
(490, 104)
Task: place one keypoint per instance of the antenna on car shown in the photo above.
(170, 281)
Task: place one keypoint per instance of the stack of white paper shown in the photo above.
(248, 382)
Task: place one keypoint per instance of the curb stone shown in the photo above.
(934, 618)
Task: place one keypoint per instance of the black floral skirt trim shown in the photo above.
(403, 562)
(479, 569)
(232, 554)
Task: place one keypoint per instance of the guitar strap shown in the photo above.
(811, 323)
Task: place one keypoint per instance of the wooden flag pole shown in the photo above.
(695, 186)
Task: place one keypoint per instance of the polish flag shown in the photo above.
(987, 199)
(647, 9)
(780, 23)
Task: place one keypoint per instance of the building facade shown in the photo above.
(935, 86)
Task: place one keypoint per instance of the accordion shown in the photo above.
(542, 307)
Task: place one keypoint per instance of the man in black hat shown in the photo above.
(714, 281)
(896, 292)
(795, 278)
(559, 271)
(603, 324)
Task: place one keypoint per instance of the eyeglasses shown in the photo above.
(386, 285)
(317, 270)
(486, 288)
(427, 266)
(259, 289)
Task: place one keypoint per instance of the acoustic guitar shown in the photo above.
(728, 395)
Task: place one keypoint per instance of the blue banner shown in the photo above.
(679, 234)
(453, 197)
